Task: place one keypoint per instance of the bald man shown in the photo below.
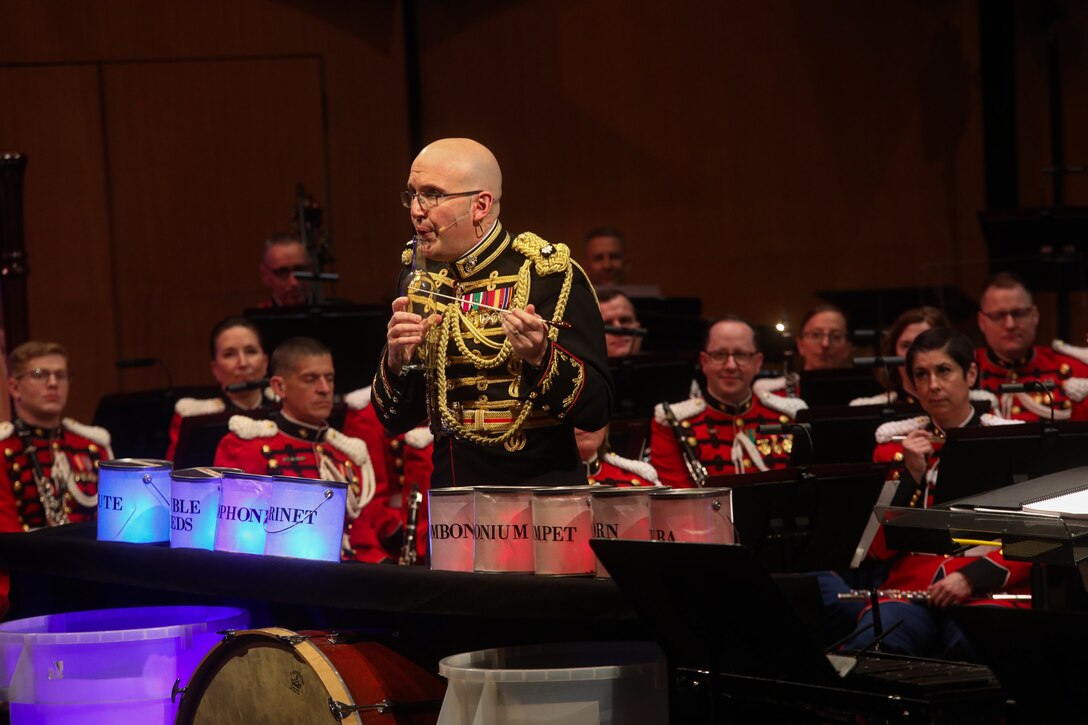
(504, 388)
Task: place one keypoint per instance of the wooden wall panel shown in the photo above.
(753, 152)
(53, 115)
(202, 156)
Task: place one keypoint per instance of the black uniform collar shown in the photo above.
(22, 428)
(302, 431)
(973, 422)
(1015, 365)
(729, 408)
(477, 259)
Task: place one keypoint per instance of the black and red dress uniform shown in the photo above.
(497, 419)
(923, 631)
(49, 477)
(614, 470)
(1064, 365)
(283, 447)
(724, 436)
(194, 407)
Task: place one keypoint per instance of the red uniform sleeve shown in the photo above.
(666, 457)
(175, 429)
(235, 452)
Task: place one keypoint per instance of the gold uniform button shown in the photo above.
(1065, 369)
(692, 442)
(898, 456)
(685, 424)
(783, 419)
(8, 453)
(26, 527)
(592, 481)
(895, 475)
(16, 467)
(394, 444)
(398, 462)
(319, 448)
(303, 433)
(273, 463)
(18, 486)
(1016, 410)
(635, 482)
(266, 450)
(738, 422)
(92, 448)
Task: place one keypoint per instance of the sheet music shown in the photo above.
(1073, 505)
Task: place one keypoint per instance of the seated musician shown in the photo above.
(237, 357)
(824, 344)
(617, 311)
(297, 441)
(943, 369)
(605, 468)
(720, 429)
(400, 461)
(283, 255)
(900, 335)
(49, 476)
(1008, 319)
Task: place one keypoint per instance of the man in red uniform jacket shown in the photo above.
(721, 429)
(1008, 319)
(298, 441)
(49, 475)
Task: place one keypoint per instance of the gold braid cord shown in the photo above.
(530, 245)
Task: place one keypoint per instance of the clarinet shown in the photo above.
(408, 549)
(695, 467)
(922, 596)
(790, 377)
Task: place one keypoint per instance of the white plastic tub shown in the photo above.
(581, 683)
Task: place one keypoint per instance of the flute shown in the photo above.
(921, 596)
(561, 324)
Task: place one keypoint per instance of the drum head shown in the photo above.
(260, 676)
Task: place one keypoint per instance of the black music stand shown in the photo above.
(979, 459)
(354, 333)
(642, 381)
(804, 519)
(1044, 246)
(844, 433)
(139, 422)
(837, 387)
(1037, 656)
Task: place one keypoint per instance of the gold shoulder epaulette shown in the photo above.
(547, 258)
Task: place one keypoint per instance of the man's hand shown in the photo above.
(527, 334)
(953, 589)
(917, 448)
(404, 333)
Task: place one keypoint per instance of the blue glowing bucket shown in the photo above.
(106, 666)
(243, 506)
(306, 518)
(134, 500)
(194, 505)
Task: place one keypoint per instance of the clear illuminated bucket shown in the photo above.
(134, 500)
(194, 504)
(243, 508)
(562, 527)
(620, 513)
(503, 518)
(584, 682)
(696, 515)
(450, 523)
(306, 518)
(106, 666)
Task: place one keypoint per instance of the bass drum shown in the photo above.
(279, 676)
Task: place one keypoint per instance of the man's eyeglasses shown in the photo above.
(1018, 314)
(42, 374)
(818, 336)
(287, 271)
(742, 358)
(430, 199)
